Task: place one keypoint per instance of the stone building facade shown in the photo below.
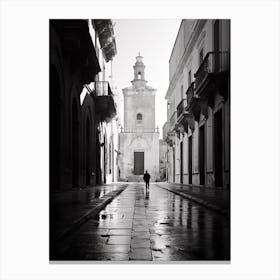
(82, 104)
(139, 138)
(162, 159)
(197, 130)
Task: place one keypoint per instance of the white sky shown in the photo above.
(154, 39)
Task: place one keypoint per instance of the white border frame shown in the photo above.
(254, 138)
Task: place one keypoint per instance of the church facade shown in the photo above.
(139, 138)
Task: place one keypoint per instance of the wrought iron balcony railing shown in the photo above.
(105, 103)
(190, 93)
(181, 107)
(214, 62)
(170, 139)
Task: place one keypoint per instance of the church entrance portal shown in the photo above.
(138, 163)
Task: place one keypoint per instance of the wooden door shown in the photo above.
(190, 160)
(138, 163)
(181, 163)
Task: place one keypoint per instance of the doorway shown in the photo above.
(190, 160)
(104, 159)
(97, 159)
(173, 157)
(138, 163)
(202, 155)
(181, 163)
(88, 153)
(218, 149)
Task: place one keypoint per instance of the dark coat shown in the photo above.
(146, 177)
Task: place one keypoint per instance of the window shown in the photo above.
(201, 54)
(139, 118)
(190, 77)
(139, 75)
(182, 93)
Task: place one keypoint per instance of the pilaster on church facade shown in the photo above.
(139, 138)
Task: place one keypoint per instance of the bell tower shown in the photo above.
(139, 138)
(139, 72)
(139, 101)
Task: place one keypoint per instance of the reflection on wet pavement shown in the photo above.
(158, 226)
(67, 206)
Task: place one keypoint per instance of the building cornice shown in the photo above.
(177, 36)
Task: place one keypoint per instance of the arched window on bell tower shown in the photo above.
(139, 119)
(139, 71)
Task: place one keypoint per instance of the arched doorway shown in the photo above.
(75, 145)
(88, 153)
(55, 129)
(97, 159)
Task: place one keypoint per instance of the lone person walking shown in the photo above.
(146, 178)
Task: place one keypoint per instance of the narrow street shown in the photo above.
(122, 156)
(158, 226)
(120, 116)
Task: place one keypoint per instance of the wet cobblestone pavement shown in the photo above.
(218, 198)
(158, 226)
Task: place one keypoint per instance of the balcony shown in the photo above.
(105, 104)
(170, 139)
(173, 120)
(185, 108)
(165, 130)
(214, 66)
(190, 94)
(181, 108)
(102, 88)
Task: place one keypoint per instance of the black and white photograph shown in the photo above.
(140, 144)
(139, 140)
